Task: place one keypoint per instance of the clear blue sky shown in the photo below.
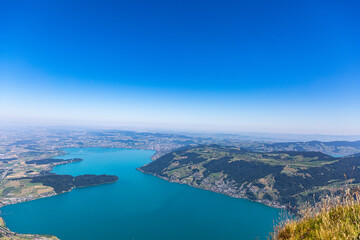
(234, 66)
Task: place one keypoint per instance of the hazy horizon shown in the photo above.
(245, 136)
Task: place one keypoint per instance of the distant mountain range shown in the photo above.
(335, 148)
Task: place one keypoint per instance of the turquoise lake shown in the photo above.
(137, 207)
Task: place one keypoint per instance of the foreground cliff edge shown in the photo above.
(30, 180)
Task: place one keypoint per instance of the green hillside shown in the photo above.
(282, 178)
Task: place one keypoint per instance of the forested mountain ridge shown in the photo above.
(274, 178)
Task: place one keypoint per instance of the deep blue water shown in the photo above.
(138, 206)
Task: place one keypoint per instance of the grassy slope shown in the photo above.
(332, 218)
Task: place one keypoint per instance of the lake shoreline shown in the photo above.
(7, 232)
(266, 203)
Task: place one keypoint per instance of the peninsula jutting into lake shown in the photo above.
(278, 178)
